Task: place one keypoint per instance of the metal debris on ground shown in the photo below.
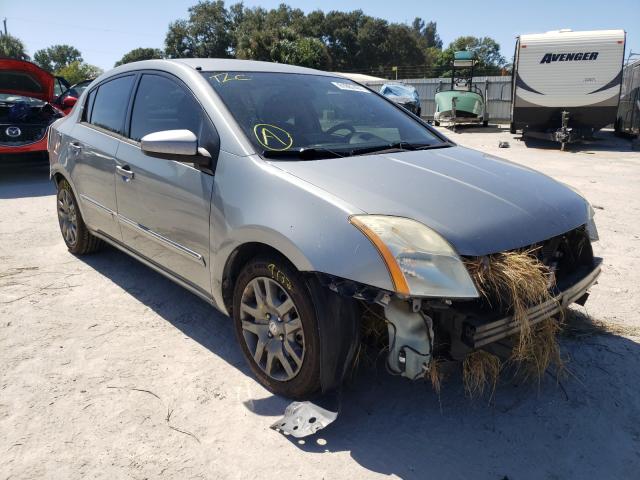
(502, 144)
(302, 419)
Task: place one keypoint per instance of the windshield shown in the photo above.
(330, 116)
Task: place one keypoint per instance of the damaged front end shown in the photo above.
(479, 315)
(419, 332)
(422, 329)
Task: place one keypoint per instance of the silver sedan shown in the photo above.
(293, 200)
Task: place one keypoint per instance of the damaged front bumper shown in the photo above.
(411, 330)
(412, 326)
(477, 333)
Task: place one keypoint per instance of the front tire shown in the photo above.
(276, 326)
(75, 233)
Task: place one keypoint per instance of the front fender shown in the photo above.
(255, 202)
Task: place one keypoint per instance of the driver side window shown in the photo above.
(162, 104)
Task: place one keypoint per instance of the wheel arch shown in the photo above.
(236, 260)
(59, 174)
(338, 316)
(57, 177)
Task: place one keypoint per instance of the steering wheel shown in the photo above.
(364, 137)
(341, 126)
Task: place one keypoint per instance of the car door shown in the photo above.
(94, 144)
(163, 204)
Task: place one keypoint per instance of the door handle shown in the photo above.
(125, 172)
(76, 147)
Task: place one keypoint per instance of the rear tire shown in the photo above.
(277, 328)
(75, 233)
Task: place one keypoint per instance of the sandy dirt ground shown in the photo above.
(108, 370)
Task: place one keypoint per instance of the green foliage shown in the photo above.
(486, 49)
(340, 41)
(305, 51)
(428, 31)
(12, 47)
(77, 71)
(207, 32)
(57, 57)
(138, 54)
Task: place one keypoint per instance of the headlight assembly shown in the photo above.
(419, 260)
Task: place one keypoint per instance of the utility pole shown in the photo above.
(5, 25)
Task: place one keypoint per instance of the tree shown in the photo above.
(12, 47)
(342, 41)
(401, 44)
(305, 51)
(138, 54)
(487, 52)
(56, 57)
(207, 32)
(340, 34)
(78, 71)
(428, 32)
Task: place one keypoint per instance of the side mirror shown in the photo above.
(170, 143)
(69, 102)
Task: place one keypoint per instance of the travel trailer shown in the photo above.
(566, 84)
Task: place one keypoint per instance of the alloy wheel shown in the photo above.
(272, 328)
(67, 217)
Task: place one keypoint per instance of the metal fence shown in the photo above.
(498, 94)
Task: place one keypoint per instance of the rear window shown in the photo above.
(110, 104)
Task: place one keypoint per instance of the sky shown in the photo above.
(105, 30)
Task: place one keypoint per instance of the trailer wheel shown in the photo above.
(485, 123)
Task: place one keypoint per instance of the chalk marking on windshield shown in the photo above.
(225, 77)
(272, 137)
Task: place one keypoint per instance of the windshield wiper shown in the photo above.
(399, 146)
(311, 153)
(314, 153)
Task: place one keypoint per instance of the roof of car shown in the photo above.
(210, 65)
(229, 64)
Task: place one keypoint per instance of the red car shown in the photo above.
(27, 106)
(67, 99)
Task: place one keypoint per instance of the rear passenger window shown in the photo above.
(110, 104)
(162, 104)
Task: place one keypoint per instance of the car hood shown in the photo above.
(481, 204)
(26, 79)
